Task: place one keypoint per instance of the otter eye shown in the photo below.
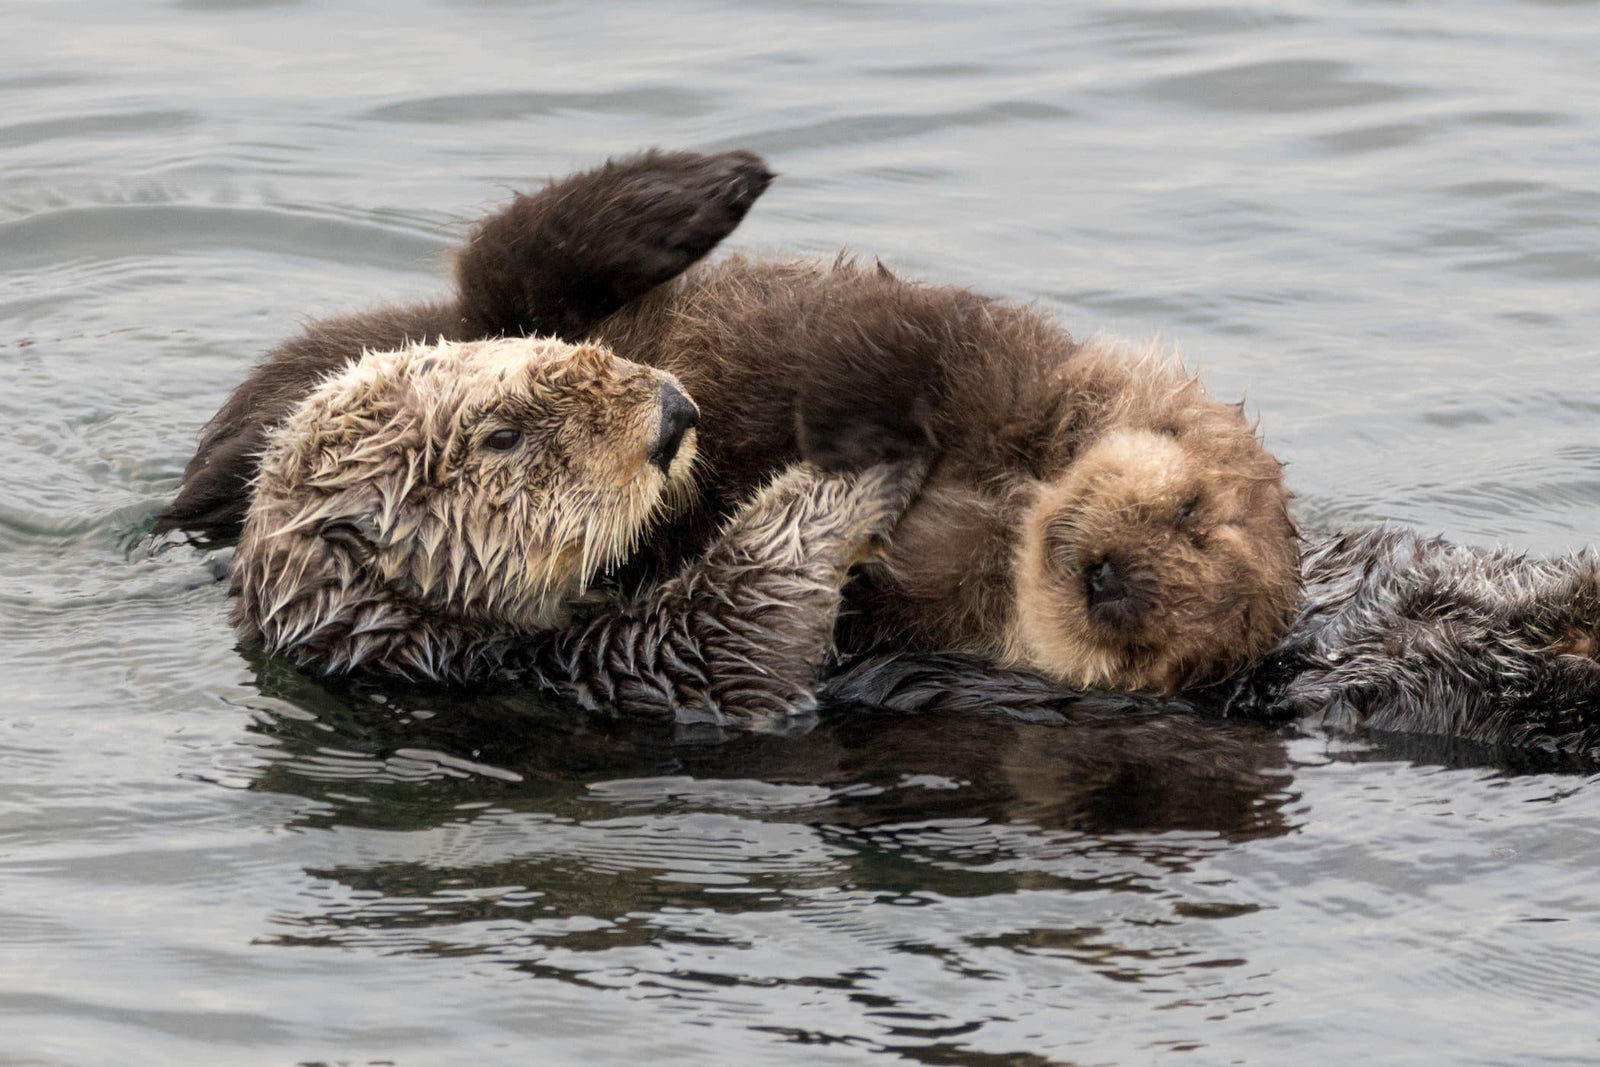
(503, 440)
(1186, 512)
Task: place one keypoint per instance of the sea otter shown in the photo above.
(443, 512)
(1094, 514)
(1396, 631)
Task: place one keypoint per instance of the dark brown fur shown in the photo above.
(847, 363)
(602, 238)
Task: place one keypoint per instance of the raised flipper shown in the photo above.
(743, 635)
(555, 262)
(562, 259)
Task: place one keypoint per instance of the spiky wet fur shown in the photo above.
(384, 533)
(744, 633)
(1399, 631)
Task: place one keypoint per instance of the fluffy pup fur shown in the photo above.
(1094, 514)
(440, 512)
(1396, 632)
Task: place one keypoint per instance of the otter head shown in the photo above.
(426, 505)
(1160, 558)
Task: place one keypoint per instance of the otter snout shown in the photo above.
(1114, 595)
(678, 416)
(1106, 586)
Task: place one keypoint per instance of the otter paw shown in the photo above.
(840, 432)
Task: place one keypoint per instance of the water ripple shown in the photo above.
(1375, 221)
(658, 100)
(96, 127)
(1280, 86)
(109, 230)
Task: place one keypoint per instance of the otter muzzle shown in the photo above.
(678, 415)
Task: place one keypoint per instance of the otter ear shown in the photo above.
(358, 534)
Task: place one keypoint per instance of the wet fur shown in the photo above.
(386, 535)
(842, 363)
(1401, 631)
(1396, 632)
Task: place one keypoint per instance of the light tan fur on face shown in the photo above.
(1176, 494)
(385, 526)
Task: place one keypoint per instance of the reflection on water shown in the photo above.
(756, 869)
(1378, 222)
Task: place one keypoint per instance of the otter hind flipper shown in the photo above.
(558, 261)
(214, 495)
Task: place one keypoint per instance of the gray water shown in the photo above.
(1378, 221)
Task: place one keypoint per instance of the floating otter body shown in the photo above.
(1403, 632)
(1396, 632)
(439, 512)
(1094, 514)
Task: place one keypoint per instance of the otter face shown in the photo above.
(1157, 560)
(481, 485)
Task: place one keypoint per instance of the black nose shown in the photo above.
(678, 414)
(1106, 586)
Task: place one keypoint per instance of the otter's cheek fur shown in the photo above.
(1133, 571)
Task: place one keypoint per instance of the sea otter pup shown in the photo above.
(441, 512)
(1094, 515)
(1396, 632)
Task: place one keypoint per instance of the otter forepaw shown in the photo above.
(884, 491)
(843, 431)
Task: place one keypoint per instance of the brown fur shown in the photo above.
(1057, 459)
(442, 512)
(1061, 464)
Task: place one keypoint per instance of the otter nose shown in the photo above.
(678, 414)
(1106, 586)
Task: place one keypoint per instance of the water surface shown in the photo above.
(1378, 221)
